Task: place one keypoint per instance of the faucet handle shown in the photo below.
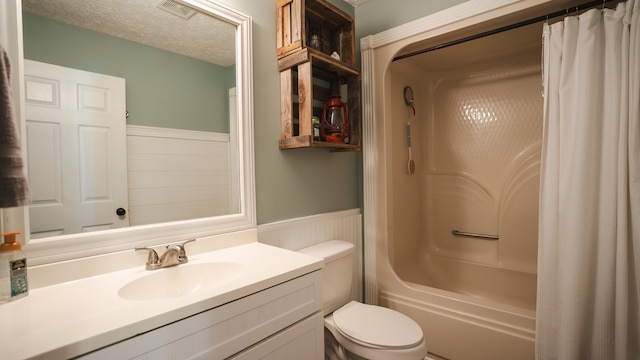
(182, 254)
(153, 260)
(180, 246)
(186, 242)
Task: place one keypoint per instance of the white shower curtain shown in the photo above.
(589, 233)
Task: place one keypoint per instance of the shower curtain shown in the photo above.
(589, 230)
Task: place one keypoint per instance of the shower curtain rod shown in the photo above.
(587, 5)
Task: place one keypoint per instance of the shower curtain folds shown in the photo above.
(589, 227)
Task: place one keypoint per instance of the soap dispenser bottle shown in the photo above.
(13, 269)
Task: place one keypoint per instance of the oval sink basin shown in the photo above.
(180, 280)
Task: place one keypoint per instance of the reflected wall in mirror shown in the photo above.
(183, 109)
(131, 126)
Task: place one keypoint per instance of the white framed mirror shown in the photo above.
(233, 209)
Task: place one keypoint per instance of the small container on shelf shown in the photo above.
(315, 124)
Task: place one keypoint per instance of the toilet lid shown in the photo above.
(377, 326)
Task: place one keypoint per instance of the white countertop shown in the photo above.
(75, 317)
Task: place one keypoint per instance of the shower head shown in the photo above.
(408, 95)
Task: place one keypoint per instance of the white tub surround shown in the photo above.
(67, 316)
(377, 52)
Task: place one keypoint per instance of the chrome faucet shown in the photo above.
(174, 255)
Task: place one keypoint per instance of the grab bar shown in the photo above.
(474, 235)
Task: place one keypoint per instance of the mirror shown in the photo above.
(205, 99)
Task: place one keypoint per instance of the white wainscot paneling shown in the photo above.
(298, 233)
(177, 174)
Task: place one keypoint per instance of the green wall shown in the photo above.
(375, 16)
(289, 183)
(164, 89)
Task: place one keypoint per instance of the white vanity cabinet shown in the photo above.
(281, 322)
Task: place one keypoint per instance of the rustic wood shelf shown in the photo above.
(295, 19)
(321, 59)
(306, 141)
(309, 76)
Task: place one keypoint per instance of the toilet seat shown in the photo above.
(377, 327)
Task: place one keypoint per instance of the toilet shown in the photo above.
(354, 330)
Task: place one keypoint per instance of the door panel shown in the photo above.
(76, 141)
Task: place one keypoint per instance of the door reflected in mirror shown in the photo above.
(130, 115)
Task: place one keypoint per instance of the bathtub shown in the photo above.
(489, 285)
(476, 143)
(458, 326)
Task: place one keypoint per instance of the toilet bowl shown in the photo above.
(376, 333)
(356, 330)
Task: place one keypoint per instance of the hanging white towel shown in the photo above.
(14, 188)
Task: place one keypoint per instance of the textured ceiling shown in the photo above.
(201, 36)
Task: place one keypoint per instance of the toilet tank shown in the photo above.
(337, 274)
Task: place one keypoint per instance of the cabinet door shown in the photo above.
(304, 340)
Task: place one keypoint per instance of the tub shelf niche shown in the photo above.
(309, 76)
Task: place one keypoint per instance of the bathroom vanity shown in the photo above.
(245, 301)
